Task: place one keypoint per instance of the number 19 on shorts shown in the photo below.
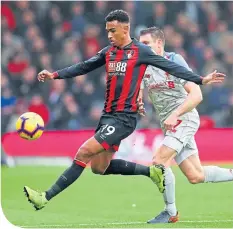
(108, 129)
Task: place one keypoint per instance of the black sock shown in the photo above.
(66, 179)
(118, 166)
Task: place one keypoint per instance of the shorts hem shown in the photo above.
(170, 142)
(179, 159)
(106, 146)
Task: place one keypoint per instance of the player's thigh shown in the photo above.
(89, 149)
(114, 128)
(170, 147)
(164, 155)
(188, 159)
(181, 139)
(189, 148)
(100, 162)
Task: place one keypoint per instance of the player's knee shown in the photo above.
(158, 160)
(196, 179)
(84, 154)
(98, 171)
(193, 180)
(155, 162)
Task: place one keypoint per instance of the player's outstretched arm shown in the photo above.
(147, 56)
(77, 69)
(193, 99)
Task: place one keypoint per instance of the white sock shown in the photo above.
(169, 193)
(216, 174)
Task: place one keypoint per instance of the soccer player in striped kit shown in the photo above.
(175, 101)
(125, 60)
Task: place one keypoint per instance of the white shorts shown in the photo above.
(182, 140)
(183, 150)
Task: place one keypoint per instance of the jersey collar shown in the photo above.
(128, 45)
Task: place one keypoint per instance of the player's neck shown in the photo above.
(127, 41)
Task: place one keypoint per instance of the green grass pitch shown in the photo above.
(109, 201)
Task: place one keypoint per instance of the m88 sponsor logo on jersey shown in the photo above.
(115, 66)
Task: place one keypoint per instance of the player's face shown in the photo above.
(116, 32)
(155, 44)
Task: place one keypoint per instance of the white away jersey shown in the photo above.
(166, 91)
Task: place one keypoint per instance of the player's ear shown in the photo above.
(126, 28)
(160, 42)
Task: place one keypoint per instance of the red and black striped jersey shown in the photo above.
(124, 72)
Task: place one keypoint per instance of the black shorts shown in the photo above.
(114, 127)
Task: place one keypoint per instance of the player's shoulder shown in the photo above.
(170, 55)
(178, 59)
(105, 49)
(141, 46)
(138, 43)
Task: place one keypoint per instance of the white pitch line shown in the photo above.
(185, 221)
(126, 223)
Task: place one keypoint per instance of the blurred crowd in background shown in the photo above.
(53, 35)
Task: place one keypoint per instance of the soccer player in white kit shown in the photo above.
(175, 101)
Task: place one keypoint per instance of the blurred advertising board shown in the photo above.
(59, 147)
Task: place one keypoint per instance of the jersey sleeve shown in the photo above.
(178, 59)
(147, 56)
(83, 67)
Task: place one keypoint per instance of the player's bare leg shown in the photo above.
(192, 169)
(164, 155)
(84, 155)
(196, 173)
(100, 162)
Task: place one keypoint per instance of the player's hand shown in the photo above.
(214, 77)
(141, 109)
(171, 121)
(45, 75)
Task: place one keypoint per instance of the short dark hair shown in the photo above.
(118, 15)
(155, 32)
